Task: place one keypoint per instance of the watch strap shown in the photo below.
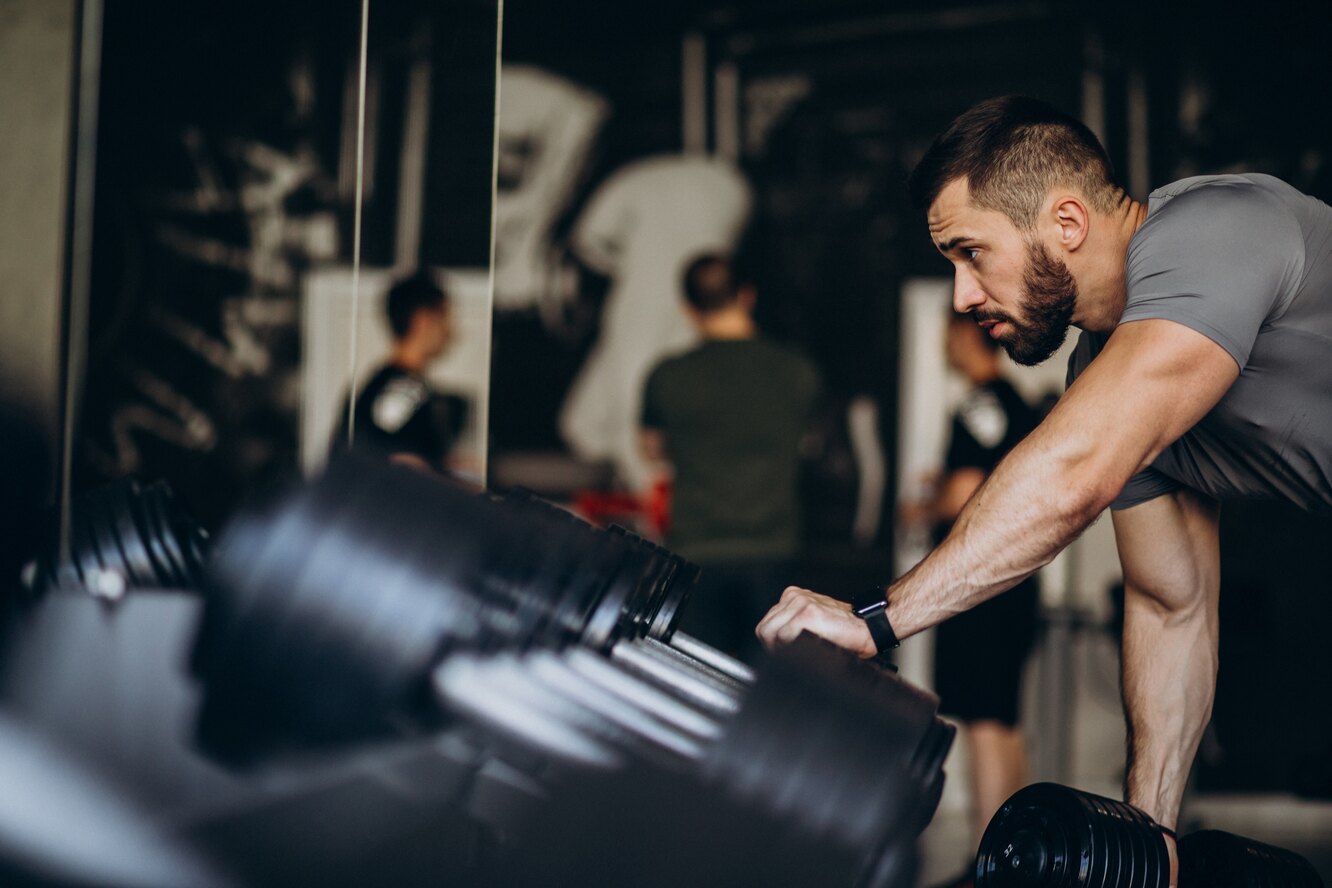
(872, 607)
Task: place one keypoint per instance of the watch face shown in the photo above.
(869, 601)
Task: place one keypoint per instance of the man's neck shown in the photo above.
(727, 324)
(407, 357)
(1102, 298)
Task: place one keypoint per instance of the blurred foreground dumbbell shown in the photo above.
(125, 535)
(335, 600)
(377, 599)
(1052, 836)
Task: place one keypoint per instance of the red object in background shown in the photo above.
(649, 513)
(658, 506)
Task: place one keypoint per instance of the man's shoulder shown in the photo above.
(1217, 201)
(673, 363)
(762, 355)
(394, 397)
(785, 354)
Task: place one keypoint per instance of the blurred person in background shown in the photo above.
(979, 654)
(398, 413)
(726, 419)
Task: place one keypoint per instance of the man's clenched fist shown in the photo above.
(801, 610)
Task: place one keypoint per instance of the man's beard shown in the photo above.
(1049, 294)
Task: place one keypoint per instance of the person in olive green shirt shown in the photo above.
(726, 418)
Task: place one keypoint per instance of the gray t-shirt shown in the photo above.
(1246, 260)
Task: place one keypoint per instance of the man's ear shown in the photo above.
(1071, 221)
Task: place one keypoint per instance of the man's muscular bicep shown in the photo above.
(1150, 384)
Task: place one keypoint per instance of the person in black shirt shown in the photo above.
(397, 411)
(979, 654)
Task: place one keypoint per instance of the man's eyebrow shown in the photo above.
(947, 246)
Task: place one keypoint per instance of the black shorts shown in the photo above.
(979, 655)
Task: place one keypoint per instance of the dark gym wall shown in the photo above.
(224, 172)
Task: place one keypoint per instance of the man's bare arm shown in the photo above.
(1153, 381)
(1172, 576)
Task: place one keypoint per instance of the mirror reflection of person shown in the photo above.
(726, 418)
(979, 654)
(1203, 372)
(398, 413)
(639, 228)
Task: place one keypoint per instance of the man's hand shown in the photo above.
(801, 610)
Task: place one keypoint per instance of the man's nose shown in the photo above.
(967, 294)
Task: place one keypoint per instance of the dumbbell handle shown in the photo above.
(692, 681)
(704, 653)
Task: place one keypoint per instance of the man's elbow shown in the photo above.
(1086, 496)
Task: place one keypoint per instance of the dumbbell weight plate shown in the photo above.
(83, 548)
(552, 673)
(1109, 852)
(157, 509)
(164, 571)
(91, 509)
(120, 515)
(1035, 853)
(596, 669)
(484, 690)
(1051, 835)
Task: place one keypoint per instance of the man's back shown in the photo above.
(732, 412)
(1246, 261)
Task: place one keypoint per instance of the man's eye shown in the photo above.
(971, 254)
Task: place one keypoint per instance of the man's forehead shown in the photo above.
(953, 199)
(952, 217)
(949, 222)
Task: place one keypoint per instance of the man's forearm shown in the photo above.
(1039, 499)
(1150, 384)
(1170, 661)
(1169, 548)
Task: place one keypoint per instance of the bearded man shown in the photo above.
(1203, 372)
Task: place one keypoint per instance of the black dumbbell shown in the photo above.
(1052, 835)
(359, 582)
(1215, 859)
(122, 536)
(844, 756)
(377, 596)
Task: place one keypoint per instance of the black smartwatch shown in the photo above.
(872, 607)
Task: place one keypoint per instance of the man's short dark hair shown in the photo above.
(1012, 151)
(710, 283)
(410, 295)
